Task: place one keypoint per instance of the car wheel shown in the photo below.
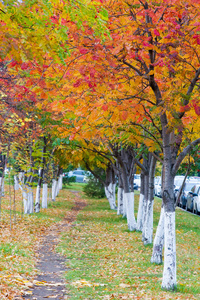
(186, 207)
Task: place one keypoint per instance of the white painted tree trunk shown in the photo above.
(27, 194)
(124, 206)
(37, 199)
(57, 187)
(144, 210)
(130, 211)
(2, 186)
(158, 240)
(21, 177)
(16, 183)
(53, 190)
(120, 201)
(60, 181)
(110, 195)
(169, 272)
(25, 201)
(147, 232)
(140, 213)
(44, 195)
(30, 200)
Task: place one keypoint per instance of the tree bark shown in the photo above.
(147, 233)
(120, 201)
(44, 195)
(110, 187)
(158, 240)
(130, 211)
(141, 205)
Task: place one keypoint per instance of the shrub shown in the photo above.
(68, 180)
(94, 188)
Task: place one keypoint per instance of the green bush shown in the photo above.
(68, 180)
(94, 188)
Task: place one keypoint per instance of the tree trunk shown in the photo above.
(110, 187)
(110, 195)
(145, 201)
(120, 201)
(53, 189)
(30, 200)
(124, 215)
(158, 240)
(141, 205)
(60, 181)
(16, 183)
(44, 195)
(37, 199)
(169, 272)
(2, 186)
(130, 211)
(147, 233)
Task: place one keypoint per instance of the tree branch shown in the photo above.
(183, 154)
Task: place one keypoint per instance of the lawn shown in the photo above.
(107, 261)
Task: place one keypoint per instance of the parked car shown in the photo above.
(193, 199)
(196, 201)
(178, 180)
(158, 186)
(78, 174)
(137, 180)
(135, 186)
(188, 187)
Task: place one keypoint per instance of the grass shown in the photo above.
(20, 239)
(107, 261)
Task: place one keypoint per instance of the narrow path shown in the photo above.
(50, 284)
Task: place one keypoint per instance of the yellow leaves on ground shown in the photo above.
(83, 282)
(18, 245)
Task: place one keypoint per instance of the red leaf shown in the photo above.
(83, 50)
(12, 64)
(71, 137)
(124, 115)
(156, 32)
(197, 110)
(24, 66)
(105, 107)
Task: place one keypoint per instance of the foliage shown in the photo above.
(94, 188)
(68, 180)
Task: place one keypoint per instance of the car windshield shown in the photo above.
(189, 186)
(79, 172)
(178, 181)
(157, 180)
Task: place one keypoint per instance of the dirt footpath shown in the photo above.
(50, 283)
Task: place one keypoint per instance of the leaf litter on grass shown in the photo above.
(103, 251)
(18, 244)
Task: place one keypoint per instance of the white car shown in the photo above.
(158, 186)
(196, 200)
(137, 179)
